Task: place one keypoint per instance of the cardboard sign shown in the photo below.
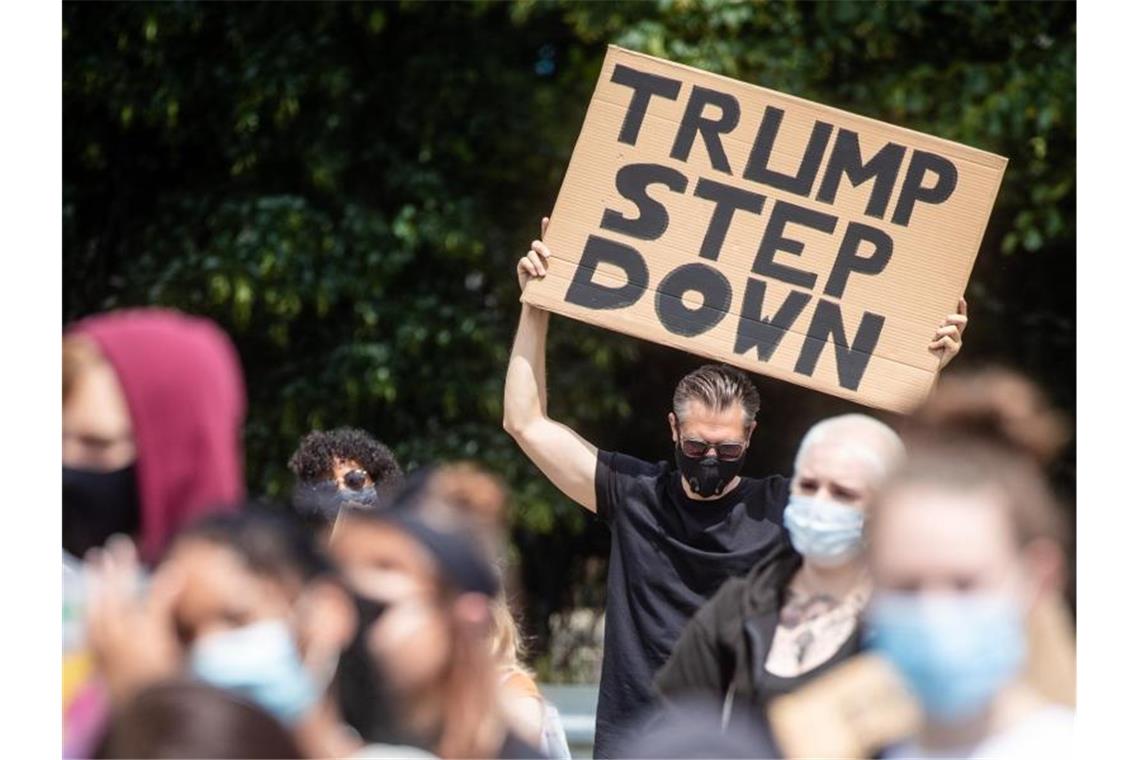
(853, 711)
(763, 230)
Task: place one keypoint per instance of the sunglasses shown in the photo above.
(355, 479)
(727, 451)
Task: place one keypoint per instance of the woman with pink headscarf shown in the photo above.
(153, 405)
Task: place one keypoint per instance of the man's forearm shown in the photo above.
(524, 393)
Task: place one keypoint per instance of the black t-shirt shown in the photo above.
(669, 555)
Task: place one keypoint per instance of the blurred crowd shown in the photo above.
(900, 595)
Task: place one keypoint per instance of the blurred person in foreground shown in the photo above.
(798, 613)
(537, 721)
(243, 602)
(345, 468)
(153, 403)
(188, 719)
(424, 575)
(965, 541)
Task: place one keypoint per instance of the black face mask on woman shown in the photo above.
(359, 684)
(707, 476)
(97, 505)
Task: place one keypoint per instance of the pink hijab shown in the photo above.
(183, 383)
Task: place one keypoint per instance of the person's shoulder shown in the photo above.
(621, 481)
(764, 582)
(519, 683)
(630, 466)
(770, 485)
(770, 493)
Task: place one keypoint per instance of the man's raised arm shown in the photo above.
(563, 456)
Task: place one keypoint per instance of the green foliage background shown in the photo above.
(345, 187)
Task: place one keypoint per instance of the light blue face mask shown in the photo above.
(823, 531)
(955, 651)
(260, 662)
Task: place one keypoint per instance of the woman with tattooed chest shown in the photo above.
(797, 615)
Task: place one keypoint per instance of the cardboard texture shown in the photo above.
(763, 230)
(853, 710)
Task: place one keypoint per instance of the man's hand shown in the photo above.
(947, 341)
(533, 264)
(133, 640)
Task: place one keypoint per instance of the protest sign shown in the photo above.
(855, 709)
(764, 230)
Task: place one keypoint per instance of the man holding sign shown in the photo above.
(757, 229)
(678, 532)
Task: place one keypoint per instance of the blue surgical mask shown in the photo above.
(261, 662)
(955, 651)
(823, 531)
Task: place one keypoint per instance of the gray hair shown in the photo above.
(860, 435)
(717, 386)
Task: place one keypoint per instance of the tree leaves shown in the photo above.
(345, 188)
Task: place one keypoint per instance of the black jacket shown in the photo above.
(724, 648)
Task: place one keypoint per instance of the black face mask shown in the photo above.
(97, 505)
(325, 499)
(359, 684)
(707, 476)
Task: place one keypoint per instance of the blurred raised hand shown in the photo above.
(131, 631)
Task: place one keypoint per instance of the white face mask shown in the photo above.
(823, 531)
(261, 662)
